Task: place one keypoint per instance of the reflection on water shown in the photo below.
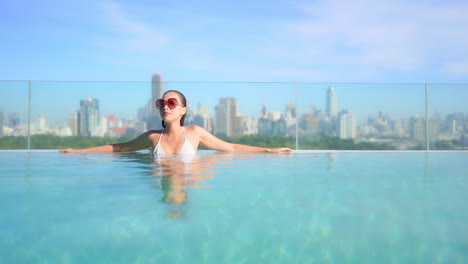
(175, 174)
(331, 158)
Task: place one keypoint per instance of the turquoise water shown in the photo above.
(323, 207)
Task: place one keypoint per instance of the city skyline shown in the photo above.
(402, 134)
(124, 99)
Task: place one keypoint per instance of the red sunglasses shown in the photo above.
(171, 103)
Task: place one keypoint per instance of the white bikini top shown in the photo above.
(187, 147)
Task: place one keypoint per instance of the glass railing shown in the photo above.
(354, 116)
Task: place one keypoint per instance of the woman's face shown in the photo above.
(168, 114)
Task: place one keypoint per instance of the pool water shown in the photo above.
(306, 207)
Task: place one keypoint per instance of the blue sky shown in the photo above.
(359, 41)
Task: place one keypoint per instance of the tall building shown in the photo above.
(454, 123)
(189, 115)
(309, 122)
(380, 123)
(225, 117)
(418, 129)
(42, 123)
(434, 127)
(202, 118)
(89, 116)
(251, 126)
(14, 120)
(153, 119)
(332, 105)
(346, 125)
(1, 123)
(239, 126)
(157, 87)
(397, 127)
(74, 122)
(290, 119)
(273, 125)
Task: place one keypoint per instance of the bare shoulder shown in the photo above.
(151, 133)
(152, 136)
(195, 129)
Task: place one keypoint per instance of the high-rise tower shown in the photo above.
(202, 118)
(157, 88)
(346, 125)
(1, 122)
(332, 105)
(14, 120)
(157, 91)
(226, 113)
(74, 122)
(89, 116)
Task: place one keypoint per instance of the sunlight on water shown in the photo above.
(367, 207)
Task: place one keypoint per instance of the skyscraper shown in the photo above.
(1, 123)
(157, 91)
(202, 118)
(418, 129)
(434, 127)
(42, 123)
(332, 105)
(273, 125)
(309, 122)
(225, 117)
(89, 116)
(290, 119)
(14, 121)
(74, 123)
(346, 125)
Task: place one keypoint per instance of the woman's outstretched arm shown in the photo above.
(139, 143)
(208, 140)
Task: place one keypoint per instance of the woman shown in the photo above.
(174, 138)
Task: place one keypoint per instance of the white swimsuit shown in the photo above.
(187, 147)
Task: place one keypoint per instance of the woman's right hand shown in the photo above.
(280, 150)
(69, 150)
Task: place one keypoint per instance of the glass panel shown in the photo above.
(92, 113)
(323, 116)
(448, 116)
(360, 116)
(13, 114)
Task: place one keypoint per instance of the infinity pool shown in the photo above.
(307, 207)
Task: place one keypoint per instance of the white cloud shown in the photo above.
(387, 35)
(327, 40)
(135, 36)
(456, 68)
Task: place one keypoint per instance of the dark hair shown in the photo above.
(184, 103)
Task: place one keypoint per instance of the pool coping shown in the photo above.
(294, 151)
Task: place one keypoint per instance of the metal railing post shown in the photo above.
(427, 117)
(297, 119)
(29, 115)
